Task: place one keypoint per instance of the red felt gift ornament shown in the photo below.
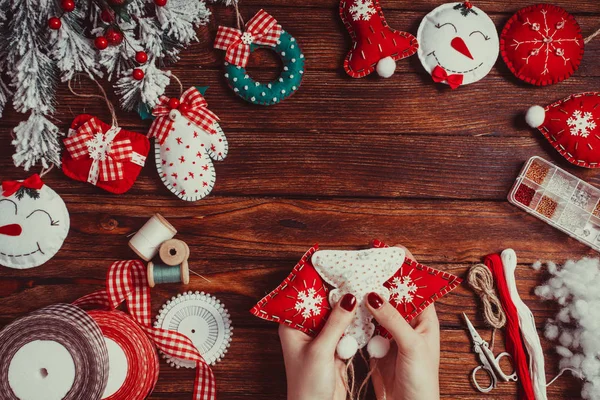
(571, 126)
(300, 301)
(375, 45)
(542, 44)
(106, 156)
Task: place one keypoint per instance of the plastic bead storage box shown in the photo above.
(559, 199)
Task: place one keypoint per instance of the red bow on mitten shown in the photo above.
(262, 29)
(375, 46)
(11, 187)
(105, 156)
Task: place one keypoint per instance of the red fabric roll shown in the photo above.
(514, 342)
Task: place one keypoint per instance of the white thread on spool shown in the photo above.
(527, 325)
(146, 242)
(174, 252)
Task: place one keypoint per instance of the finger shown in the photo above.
(293, 341)
(336, 325)
(427, 320)
(388, 317)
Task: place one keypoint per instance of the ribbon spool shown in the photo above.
(146, 242)
(160, 273)
(174, 252)
(55, 353)
(133, 360)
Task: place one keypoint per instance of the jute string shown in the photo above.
(591, 37)
(104, 97)
(480, 279)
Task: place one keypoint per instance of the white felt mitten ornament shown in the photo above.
(188, 138)
(359, 273)
(458, 44)
(34, 223)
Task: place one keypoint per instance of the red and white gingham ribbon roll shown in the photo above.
(57, 352)
(133, 359)
(127, 282)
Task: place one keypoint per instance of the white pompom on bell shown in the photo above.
(378, 347)
(347, 347)
(535, 116)
(386, 67)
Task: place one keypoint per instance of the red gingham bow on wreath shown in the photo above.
(192, 106)
(262, 29)
(127, 281)
(107, 154)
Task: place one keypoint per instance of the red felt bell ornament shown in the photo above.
(376, 46)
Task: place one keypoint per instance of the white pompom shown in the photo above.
(535, 116)
(386, 67)
(378, 347)
(347, 347)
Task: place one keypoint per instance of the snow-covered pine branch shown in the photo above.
(118, 59)
(36, 140)
(4, 95)
(180, 18)
(134, 92)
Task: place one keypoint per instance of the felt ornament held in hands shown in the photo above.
(188, 137)
(375, 46)
(106, 156)
(34, 222)
(571, 126)
(458, 44)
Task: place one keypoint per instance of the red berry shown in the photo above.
(137, 74)
(184, 108)
(468, 5)
(54, 23)
(141, 57)
(114, 37)
(101, 43)
(160, 3)
(173, 103)
(67, 5)
(107, 15)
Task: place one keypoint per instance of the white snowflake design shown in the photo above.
(581, 124)
(99, 147)
(403, 290)
(362, 10)
(547, 43)
(309, 303)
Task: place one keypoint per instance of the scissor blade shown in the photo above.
(474, 335)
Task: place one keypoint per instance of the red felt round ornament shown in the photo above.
(54, 23)
(67, 5)
(101, 43)
(542, 44)
(137, 74)
(141, 57)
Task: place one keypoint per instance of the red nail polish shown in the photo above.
(348, 302)
(375, 300)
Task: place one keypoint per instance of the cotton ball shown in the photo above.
(552, 268)
(347, 347)
(590, 343)
(590, 366)
(551, 331)
(537, 265)
(556, 283)
(563, 315)
(564, 352)
(378, 347)
(544, 291)
(566, 339)
(535, 116)
(386, 67)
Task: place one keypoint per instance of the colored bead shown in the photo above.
(101, 43)
(54, 23)
(141, 57)
(137, 74)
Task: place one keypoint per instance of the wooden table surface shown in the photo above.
(341, 162)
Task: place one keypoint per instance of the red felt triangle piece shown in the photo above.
(414, 287)
(572, 126)
(300, 301)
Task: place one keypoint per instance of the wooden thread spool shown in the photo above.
(174, 252)
(146, 241)
(160, 273)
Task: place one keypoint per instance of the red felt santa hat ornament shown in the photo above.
(570, 125)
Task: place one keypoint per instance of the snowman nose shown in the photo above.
(11, 230)
(459, 45)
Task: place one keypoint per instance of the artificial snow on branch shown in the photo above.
(147, 90)
(36, 140)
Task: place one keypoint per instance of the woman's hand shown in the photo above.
(410, 371)
(312, 369)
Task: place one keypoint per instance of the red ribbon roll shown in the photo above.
(141, 355)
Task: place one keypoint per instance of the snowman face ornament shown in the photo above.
(459, 44)
(34, 222)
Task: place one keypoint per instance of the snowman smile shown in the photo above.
(451, 70)
(39, 250)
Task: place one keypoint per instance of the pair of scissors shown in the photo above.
(489, 363)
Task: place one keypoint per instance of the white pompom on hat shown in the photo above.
(386, 67)
(535, 116)
(378, 346)
(347, 347)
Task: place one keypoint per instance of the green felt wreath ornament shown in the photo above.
(262, 31)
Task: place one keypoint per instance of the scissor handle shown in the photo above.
(501, 375)
(490, 374)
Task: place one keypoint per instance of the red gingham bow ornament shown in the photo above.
(107, 154)
(127, 281)
(262, 29)
(192, 106)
